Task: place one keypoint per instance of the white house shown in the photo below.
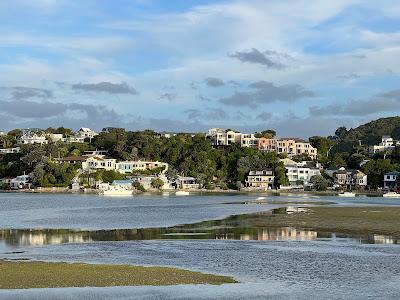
(86, 133)
(390, 180)
(186, 183)
(98, 163)
(387, 143)
(32, 138)
(20, 182)
(300, 173)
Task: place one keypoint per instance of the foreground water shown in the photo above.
(279, 263)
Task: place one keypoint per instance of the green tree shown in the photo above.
(375, 170)
(157, 183)
(319, 182)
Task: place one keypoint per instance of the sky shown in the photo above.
(300, 67)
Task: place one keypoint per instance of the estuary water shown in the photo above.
(275, 263)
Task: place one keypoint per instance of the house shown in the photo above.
(6, 181)
(10, 150)
(387, 144)
(99, 163)
(347, 179)
(391, 180)
(127, 167)
(32, 138)
(71, 159)
(300, 173)
(186, 183)
(20, 182)
(86, 133)
(260, 179)
(267, 145)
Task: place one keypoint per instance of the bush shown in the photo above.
(138, 186)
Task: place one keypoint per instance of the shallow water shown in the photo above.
(278, 263)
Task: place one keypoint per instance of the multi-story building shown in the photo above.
(220, 137)
(267, 145)
(20, 182)
(260, 179)
(294, 146)
(348, 179)
(300, 173)
(248, 140)
(387, 143)
(391, 180)
(127, 167)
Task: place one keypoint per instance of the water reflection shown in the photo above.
(47, 237)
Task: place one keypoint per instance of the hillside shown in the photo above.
(371, 133)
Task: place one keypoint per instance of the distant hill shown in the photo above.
(371, 133)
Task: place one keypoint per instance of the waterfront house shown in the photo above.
(391, 180)
(6, 181)
(21, 182)
(260, 179)
(347, 179)
(300, 173)
(186, 183)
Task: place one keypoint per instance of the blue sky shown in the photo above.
(300, 67)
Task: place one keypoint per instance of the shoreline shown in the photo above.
(57, 190)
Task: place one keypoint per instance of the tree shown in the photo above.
(319, 182)
(341, 132)
(157, 183)
(269, 134)
(375, 170)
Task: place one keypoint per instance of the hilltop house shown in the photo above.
(86, 133)
(32, 138)
(391, 180)
(267, 145)
(387, 144)
(260, 179)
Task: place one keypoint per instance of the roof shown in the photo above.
(85, 129)
(393, 173)
(122, 182)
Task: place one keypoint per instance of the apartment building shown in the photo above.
(267, 145)
(221, 137)
(294, 146)
(248, 140)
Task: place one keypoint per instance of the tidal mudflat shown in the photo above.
(277, 247)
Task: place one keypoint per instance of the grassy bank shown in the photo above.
(23, 275)
(383, 220)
